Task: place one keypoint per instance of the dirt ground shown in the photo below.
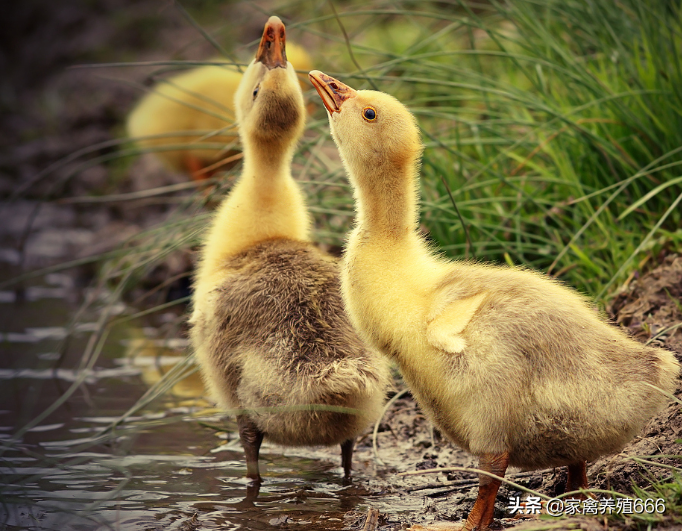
(50, 112)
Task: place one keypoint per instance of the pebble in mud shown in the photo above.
(281, 520)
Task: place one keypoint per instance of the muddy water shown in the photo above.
(171, 466)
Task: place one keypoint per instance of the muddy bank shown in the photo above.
(650, 308)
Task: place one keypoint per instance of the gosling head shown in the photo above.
(377, 137)
(268, 102)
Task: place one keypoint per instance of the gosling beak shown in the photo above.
(272, 49)
(332, 91)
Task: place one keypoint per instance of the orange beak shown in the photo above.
(272, 49)
(332, 91)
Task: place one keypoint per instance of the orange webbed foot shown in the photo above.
(577, 480)
(481, 516)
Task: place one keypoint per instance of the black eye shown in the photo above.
(255, 91)
(369, 114)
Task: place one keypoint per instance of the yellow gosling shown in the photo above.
(512, 366)
(269, 330)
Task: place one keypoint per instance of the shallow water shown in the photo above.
(166, 467)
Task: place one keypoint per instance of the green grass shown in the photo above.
(557, 126)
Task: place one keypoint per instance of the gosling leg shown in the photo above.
(194, 167)
(251, 438)
(347, 457)
(577, 477)
(481, 516)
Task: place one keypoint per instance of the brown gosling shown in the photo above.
(512, 366)
(268, 328)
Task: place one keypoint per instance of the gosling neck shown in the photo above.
(268, 163)
(387, 202)
(265, 203)
(272, 203)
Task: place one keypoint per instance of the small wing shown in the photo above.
(444, 331)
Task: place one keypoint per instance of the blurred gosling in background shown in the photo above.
(196, 107)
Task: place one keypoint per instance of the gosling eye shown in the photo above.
(255, 91)
(369, 114)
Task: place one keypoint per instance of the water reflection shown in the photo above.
(175, 464)
(155, 357)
